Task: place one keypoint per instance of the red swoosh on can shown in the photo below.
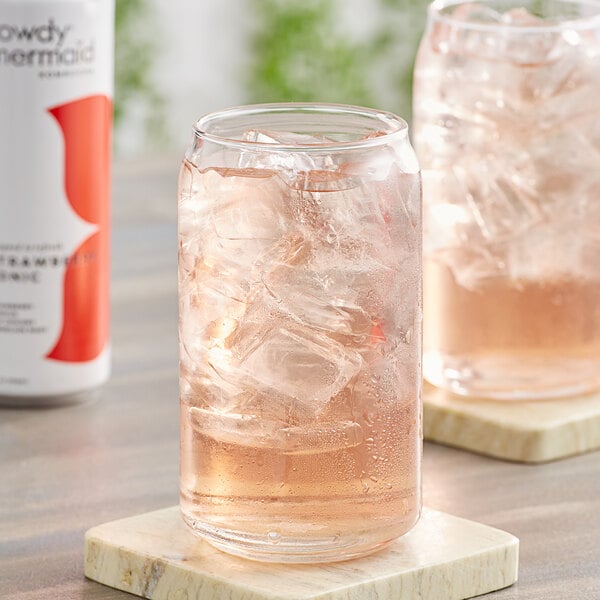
(86, 127)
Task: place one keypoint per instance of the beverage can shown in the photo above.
(56, 88)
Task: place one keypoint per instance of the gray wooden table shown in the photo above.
(66, 469)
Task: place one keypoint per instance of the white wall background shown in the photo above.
(202, 64)
(200, 67)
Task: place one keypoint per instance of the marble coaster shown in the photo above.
(155, 556)
(534, 431)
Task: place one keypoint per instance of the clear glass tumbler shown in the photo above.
(507, 130)
(300, 331)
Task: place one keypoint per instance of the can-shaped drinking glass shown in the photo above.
(507, 130)
(300, 331)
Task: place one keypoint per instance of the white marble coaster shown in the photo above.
(534, 431)
(155, 556)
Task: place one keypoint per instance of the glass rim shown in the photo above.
(581, 23)
(393, 126)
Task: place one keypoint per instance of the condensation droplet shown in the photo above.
(274, 537)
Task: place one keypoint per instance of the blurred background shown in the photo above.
(177, 59)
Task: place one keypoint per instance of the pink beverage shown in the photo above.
(300, 313)
(507, 128)
(56, 77)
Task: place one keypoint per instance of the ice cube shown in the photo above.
(447, 217)
(565, 163)
(531, 47)
(292, 249)
(367, 220)
(260, 316)
(201, 385)
(478, 42)
(448, 37)
(521, 17)
(285, 162)
(500, 203)
(501, 36)
(231, 213)
(323, 300)
(192, 212)
(285, 138)
(320, 180)
(576, 101)
(205, 299)
(544, 83)
(302, 364)
(473, 265)
(248, 428)
(400, 205)
(237, 216)
(245, 204)
(550, 249)
(475, 215)
(476, 12)
(255, 429)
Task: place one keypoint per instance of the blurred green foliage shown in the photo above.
(298, 56)
(302, 53)
(136, 48)
(300, 50)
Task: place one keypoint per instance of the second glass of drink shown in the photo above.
(507, 130)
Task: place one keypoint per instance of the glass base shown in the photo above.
(274, 547)
(512, 378)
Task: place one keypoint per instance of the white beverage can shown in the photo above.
(56, 88)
